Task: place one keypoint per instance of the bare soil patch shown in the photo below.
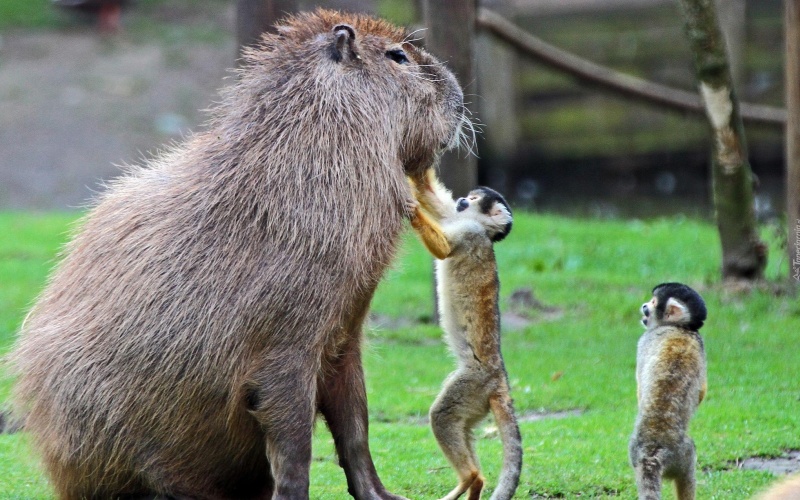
(76, 103)
(535, 416)
(787, 463)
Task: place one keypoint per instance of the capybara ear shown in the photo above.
(344, 47)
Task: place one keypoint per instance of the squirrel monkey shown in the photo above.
(467, 290)
(671, 383)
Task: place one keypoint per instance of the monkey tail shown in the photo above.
(648, 478)
(503, 410)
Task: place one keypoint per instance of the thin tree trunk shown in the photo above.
(254, 17)
(793, 134)
(733, 23)
(744, 255)
(451, 38)
(496, 70)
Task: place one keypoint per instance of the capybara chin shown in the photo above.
(212, 301)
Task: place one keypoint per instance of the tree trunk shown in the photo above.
(497, 106)
(733, 22)
(451, 38)
(744, 255)
(793, 135)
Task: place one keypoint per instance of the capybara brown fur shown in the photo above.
(211, 303)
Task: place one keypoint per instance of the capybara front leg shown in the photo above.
(283, 400)
(343, 403)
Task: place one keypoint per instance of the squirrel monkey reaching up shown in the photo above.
(671, 383)
(467, 291)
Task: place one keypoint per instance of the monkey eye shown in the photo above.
(398, 56)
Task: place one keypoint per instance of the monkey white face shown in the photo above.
(648, 312)
(490, 209)
(675, 312)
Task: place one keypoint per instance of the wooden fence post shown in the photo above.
(733, 23)
(254, 17)
(451, 38)
(793, 135)
(497, 103)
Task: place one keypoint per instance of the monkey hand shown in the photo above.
(431, 194)
(430, 233)
(411, 208)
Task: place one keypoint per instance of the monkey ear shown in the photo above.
(344, 45)
(676, 311)
(500, 215)
(502, 221)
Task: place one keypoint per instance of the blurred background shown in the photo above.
(85, 89)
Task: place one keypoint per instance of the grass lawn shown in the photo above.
(28, 14)
(597, 273)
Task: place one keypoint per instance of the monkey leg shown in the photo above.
(283, 401)
(502, 407)
(343, 403)
(648, 478)
(685, 482)
(473, 484)
(456, 411)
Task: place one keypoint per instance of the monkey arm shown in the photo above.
(638, 383)
(434, 204)
(432, 195)
(430, 232)
(703, 390)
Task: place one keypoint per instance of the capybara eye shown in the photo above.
(398, 56)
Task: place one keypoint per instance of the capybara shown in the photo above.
(211, 302)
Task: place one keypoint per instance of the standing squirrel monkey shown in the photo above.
(464, 232)
(671, 383)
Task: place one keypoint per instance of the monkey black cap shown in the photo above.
(685, 294)
(488, 198)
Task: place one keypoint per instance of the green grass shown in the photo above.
(597, 273)
(28, 14)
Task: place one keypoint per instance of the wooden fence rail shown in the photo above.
(626, 85)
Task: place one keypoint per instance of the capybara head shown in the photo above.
(360, 69)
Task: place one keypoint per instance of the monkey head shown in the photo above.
(674, 304)
(489, 208)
